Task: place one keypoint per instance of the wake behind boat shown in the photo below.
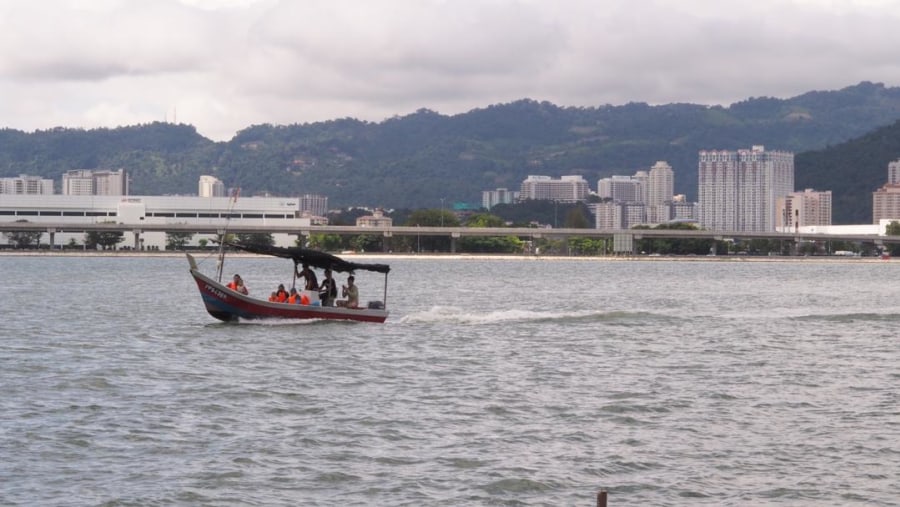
(229, 305)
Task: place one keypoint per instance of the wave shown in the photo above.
(452, 314)
(852, 317)
(278, 322)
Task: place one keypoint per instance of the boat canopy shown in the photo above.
(313, 258)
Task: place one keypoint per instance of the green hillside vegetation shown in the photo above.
(852, 170)
(415, 161)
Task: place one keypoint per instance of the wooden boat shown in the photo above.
(228, 305)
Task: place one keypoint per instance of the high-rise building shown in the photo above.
(26, 185)
(886, 200)
(652, 190)
(491, 198)
(643, 179)
(660, 189)
(682, 209)
(621, 189)
(660, 184)
(565, 189)
(77, 182)
(607, 215)
(801, 209)
(210, 186)
(894, 173)
(738, 190)
(313, 205)
(95, 182)
(886, 203)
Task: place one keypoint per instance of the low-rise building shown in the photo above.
(565, 189)
(95, 182)
(139, 210)
(376, 219)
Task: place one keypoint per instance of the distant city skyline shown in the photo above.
(744, 190)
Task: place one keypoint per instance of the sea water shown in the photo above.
(493, 382)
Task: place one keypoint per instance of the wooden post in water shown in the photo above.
(601, 498)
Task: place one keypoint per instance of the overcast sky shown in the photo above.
(223, 65)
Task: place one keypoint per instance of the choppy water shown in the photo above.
(494, 382)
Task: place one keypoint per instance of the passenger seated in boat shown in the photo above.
(294, 298)
(281, 295)
(351, 292)
(237, 284)
(328, 290)
(310, 276)
(273, 298)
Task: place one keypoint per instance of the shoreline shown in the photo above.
(466, 256)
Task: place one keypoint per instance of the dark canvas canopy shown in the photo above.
(313, 258)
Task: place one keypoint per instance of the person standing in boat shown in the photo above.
(310, 276)
(328, 290)
(237, 284)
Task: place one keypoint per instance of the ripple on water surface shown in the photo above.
(665, 383)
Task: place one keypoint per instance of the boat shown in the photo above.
(229, 305)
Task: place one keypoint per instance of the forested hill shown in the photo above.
(852, 171)
(416, 160)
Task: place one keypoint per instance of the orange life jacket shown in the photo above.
(292, 299)
(304, 299)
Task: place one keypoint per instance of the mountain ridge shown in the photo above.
(418, 159)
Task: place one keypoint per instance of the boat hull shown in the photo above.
(229, 306)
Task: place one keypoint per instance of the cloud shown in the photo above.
(223, 65)
(67, 42)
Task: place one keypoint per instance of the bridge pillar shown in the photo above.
(453, 237)
(386, 241)
(137, 239)
(52, 233)
(624, 243)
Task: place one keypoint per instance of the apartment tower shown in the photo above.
(660, 191)
(739, 190)
(802, 209)
(210, 186)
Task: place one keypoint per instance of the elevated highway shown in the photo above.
(454, 233)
